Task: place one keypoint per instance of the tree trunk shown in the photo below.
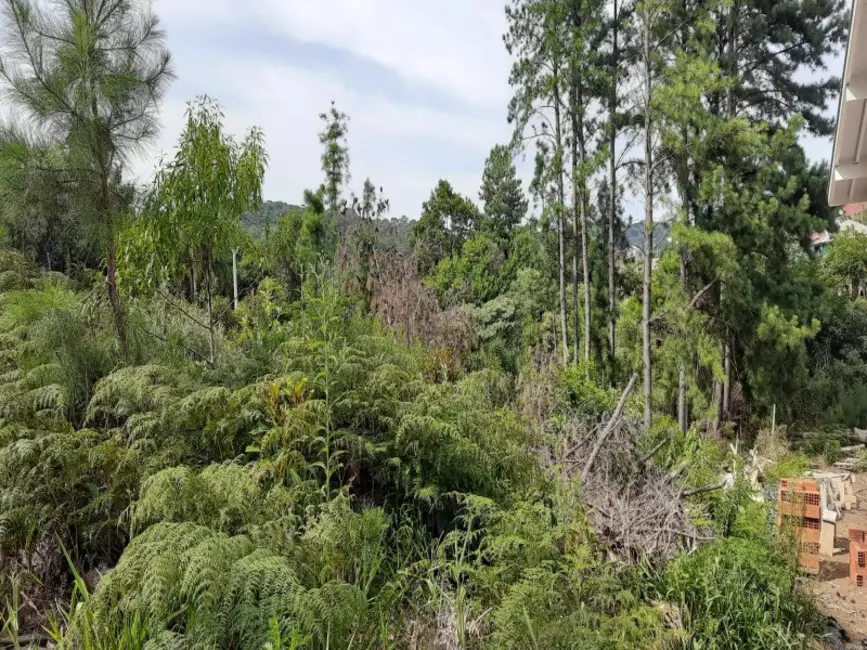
(576, 227)
(116, 304)
(579, 155)
(682, 415)
(683, 182)
(682, 406)
(558, 158)
(731, 110)
(612, 208)
(727, 381)
(194, 290)
(103, 160)
(579, 199)
(731, 100)
(576, 219)
(585, 256)
(717, 401)
(211, 340)
(648, 232)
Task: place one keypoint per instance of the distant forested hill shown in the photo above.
(265, 218)
(391, 233)
(635, 236)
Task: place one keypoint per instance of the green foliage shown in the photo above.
(227, 498)
(581, 390)
(475, 275)
(335, 159)
(338, 476)
(92, 83)
(551, 609)
(260, 223)
(505, 204)
(199, 197)
(825, 444)
(737, 593)
(846, 260)
(781, 349)
(57, 350)
(447, 220)
(207, 588)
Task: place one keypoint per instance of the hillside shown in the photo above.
(392, 233)
(514, 434)
(265, 219)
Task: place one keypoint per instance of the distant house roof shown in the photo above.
(849, 160)
(820, 238)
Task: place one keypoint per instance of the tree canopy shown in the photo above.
(227, 422)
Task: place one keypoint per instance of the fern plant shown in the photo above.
(220, 591)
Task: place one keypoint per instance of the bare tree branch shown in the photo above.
(612, 424)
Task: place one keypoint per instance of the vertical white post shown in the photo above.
(235, 274)
(774, 421)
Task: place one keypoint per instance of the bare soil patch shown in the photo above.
(835, 594)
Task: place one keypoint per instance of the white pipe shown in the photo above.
(235, 274)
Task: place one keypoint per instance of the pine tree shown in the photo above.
(504, 202)
(335, 161)
(615, 121)
(763, 46)
(584, 33)
(536, 39)
(447, 221)
(648, 15)
(90, 75)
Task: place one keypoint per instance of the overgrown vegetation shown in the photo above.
(229, 424)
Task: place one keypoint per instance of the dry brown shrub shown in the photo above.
(637, 510)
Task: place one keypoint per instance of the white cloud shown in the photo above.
(453, 45)
(387, 140)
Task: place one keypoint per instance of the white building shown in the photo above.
(849, 160)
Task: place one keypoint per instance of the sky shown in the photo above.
(425, 85)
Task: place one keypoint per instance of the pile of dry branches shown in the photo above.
(638, 510)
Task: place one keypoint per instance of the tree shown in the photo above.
(35, 205)
(447, 221)
(690, 134)
(200, 196)
(537, 40)
(89, 74)
(501, 192)
(648, 14)
(613, 126)
(763, 46)
(358, 250)
(475, 275)
(335, 160)
(584, 20)
(847, 260)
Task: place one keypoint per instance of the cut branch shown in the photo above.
(654, 451)
(705, 489)
(610, 427)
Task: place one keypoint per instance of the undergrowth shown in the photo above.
(340, 493)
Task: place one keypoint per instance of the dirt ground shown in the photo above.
(836, 595)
